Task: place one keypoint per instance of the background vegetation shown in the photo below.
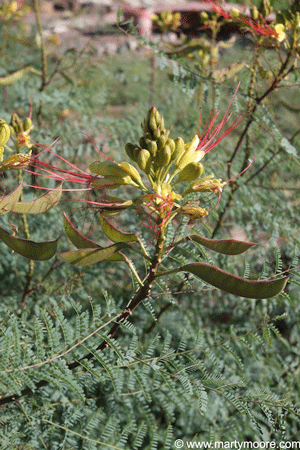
(192, 362)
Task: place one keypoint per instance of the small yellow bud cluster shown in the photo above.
(167, 21)
(157, 153)
(20, 130)
(11, 11)
(162, 160)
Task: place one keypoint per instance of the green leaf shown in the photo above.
(82, 242)
(225, 246)
(39, 251)
(10, 199)
(39, 205)
(233, 284)
(225, 73)
(85, 257)
(114, 234)
(288, 147)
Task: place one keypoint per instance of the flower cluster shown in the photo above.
(14, 10)
(20, 132)
(167, 163)
(172, 170)
(167, 21)
(256, 24)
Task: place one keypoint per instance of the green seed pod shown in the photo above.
(179, 150)
(15, 76)
(190, 172)
(4, 132)
(27, 124)
(144, 160)
(107, 168)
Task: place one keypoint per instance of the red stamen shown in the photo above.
(208, 138)
(259, 27)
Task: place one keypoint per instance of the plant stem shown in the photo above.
(254, 106)
(43, 53)
(30, 272)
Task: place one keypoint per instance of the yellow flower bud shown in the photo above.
(190, 172)
(152, 147)
(179, 150)
(130, 150)
(27, 124)
(204, 16)
(144, 160)
(161, 141)
(171, 144)
(4, 132)
(163, 157)
(132, 172)
(188, 157)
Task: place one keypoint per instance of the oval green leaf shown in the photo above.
(225, 246)
(39, 205)
(39, 251)
(236, 285)
(114, 234)
(10, 199)
(86, 257)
